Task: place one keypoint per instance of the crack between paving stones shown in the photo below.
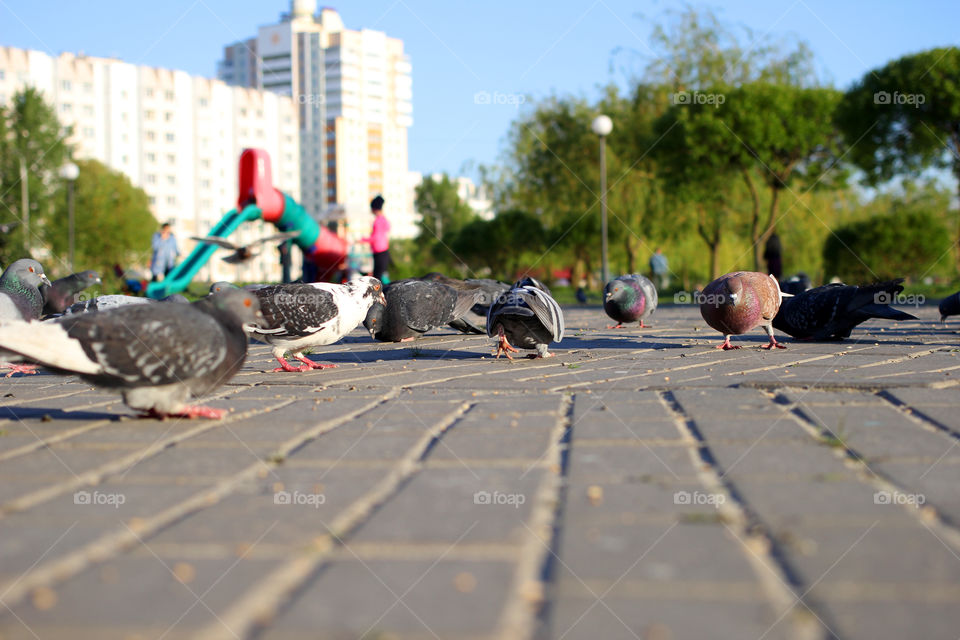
(527, 613)
(778, 579)
(253, 611)
(131, 534)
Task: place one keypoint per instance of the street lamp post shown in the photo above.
(602, 126)
(70, 172)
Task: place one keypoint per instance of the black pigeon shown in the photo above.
(526, 316)
(20, 297)
(415, 306)
(242, 253)
(300, 316)
(950, 306)
(157, 356)
(832, 311)
(581, 295)
(486, 290)
(63, 292)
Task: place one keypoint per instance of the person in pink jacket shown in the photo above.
(378, 239)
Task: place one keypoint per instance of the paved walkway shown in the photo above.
(640, 485)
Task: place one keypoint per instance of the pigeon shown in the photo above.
(21, 301)
(487, 291)
(950, 306)
(300, 316)
(416, 306)
(217, 287)
(242, 253)
(63, 292)
(581, 295)
(738, 302)
(629, 298)
(114, 301)
(157, 356)
(832, 311)
(20, 297)
(526, 316)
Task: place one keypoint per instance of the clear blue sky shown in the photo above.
(459, 49)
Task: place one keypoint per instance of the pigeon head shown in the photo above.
(90, 278)
(367, 288)
(218, 287)
(374, 320)
(237, 305)
(26, 272)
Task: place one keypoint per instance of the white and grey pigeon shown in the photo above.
(63, 292)
(525, 316)
(300, 316)
(157, 356)
(115, 301)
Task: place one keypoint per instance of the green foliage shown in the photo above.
(905, 116)
(502, 246)
(113, 221)
(31, 137)
(893, 245)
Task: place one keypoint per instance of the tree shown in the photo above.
(905, 117)
(443, 215)
(113, 220)
(503, 245)
(32, 141)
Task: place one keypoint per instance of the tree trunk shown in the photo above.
(754, 219)
(761, 240)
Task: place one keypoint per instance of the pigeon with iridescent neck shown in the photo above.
(738, 302)
(629, 298)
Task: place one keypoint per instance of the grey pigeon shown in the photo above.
(20, 297)
(525, 316)
(242, 253)
(157, 356)
(300, 316)
(629, 298)
(950, 306)
(415, 306)
(832, 311)
(63, 292)
(217, 287)
(487, 291)
(737, 302)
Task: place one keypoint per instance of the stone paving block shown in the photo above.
(776, 428)
(520, 442)
(170, 592)
(466, 503)
(642, 499)
(695, 550)
(628, 619)
(870, 620)
(610, 463)
(874, 554)
(449, 599)
(767, 456)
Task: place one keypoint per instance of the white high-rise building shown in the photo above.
(176, 136)
(353, 90)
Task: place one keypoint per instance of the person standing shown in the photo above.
(165, 252)
(378, 239)
(659, 269)
(772, 253)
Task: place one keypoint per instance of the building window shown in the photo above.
(168, 116)
(65, 85)
(205, 184)
(89, 132)
(153, 201)
(168, 94)
(171, 180)
(170, 137)
(172, 201)
(204, 102)
(148, 114)
(151, 135)
(124, 159)
(87, 110)
(151, 179)
(88, 88)
(171, 158)
(148, 93)
(66, 107)
(151, 157)
(3, 74)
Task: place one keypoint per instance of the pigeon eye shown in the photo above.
(31, 269)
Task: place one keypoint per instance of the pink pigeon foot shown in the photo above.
(310, 364)
(773, 344)
(18, 368)
(726, 346)
(504, 347)
(616, 326)
(190, 411)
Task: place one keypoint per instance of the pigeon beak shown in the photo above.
(608, 295)
(382, 299)
(45, 280)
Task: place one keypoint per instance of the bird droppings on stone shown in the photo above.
(43, 598)
(184, 572)
(465, 582)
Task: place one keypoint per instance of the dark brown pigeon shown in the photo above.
(738, 302)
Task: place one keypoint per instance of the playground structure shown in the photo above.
(258, 199)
